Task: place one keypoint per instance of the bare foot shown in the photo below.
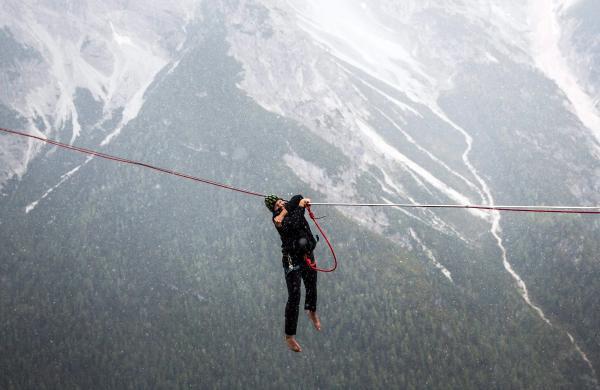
(314, 318)
(292, 344)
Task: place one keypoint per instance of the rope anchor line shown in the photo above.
(529, 209)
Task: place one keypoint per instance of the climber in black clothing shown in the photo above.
(296, 242)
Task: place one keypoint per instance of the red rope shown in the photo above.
(217, 184)
(313, 263)
(132, 162)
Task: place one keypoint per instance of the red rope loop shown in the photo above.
(313, 263)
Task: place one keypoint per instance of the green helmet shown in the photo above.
(270, 201)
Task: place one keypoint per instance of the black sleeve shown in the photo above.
(294, 203)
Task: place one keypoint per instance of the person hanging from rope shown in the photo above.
(297, 241)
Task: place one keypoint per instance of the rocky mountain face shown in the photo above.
(450, 102)
(163, 282)
(63, 58)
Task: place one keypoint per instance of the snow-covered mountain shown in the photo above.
(484, 102)
(59, 54)
(312, 62)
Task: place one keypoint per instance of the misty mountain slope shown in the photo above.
(562, 270)
(588, 11)
(523, 137)
(527, 143)
(121, 277)
(582, 43)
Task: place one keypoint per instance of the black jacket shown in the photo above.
(294, 228)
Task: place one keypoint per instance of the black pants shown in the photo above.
(293, 276)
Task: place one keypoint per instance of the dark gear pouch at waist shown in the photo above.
(305, 245)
